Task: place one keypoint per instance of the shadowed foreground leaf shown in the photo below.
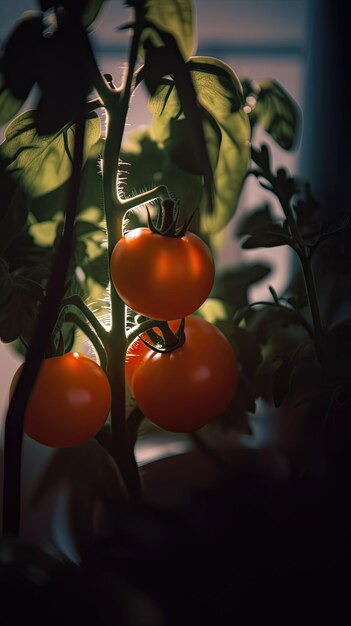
(92, 478)
(40, 164)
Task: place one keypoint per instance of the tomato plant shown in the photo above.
(162, 277)
(69, 402)
(58, 206)
(184, 389)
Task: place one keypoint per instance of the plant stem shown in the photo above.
(47, 319)
(77, 302)
(144, 327)
(305, 259)
(314, 306)
(91, 335)
(294, 314)
(117, 109)
(116, 102)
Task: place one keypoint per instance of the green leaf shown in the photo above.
(245, 346)
(83, 228)
(146, 164)
(270, 237)
(232, 285)
(219, 95)
(13, 210)
(184, 90)
(271, 106)
(91, 11)
(9, 104)
(24, 273)
(254, 221)
(44, 233)
(176, 18)
(40, 164)
(97, 269)
(18, 305)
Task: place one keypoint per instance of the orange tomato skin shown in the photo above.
(163, 278)
(185, 389)
(69, 403)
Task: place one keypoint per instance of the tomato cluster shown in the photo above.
(163, 278)
(167, 278)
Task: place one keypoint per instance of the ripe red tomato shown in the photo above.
(162, 277)
(69, 403)
(182, 390)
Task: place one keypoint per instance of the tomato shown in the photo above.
(182, 390)
(69, 403)
(163, 278)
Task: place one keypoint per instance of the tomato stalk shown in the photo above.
(116, 102)
(91, 335)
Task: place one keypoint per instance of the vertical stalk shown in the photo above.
(117, 110)
(314, 306)
(307, 271)
(117, 342)
(45, 325)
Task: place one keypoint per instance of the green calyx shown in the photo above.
(169, 340)
(167, 220)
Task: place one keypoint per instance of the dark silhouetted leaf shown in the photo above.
(18, 304)
(232, 285)
(20, 58)
(236, 416)
(269, 237)
(254, 221)
(92, 478)
(13, 210)
(41, 164)
(9, 104)
(91, 11)
(285, 381)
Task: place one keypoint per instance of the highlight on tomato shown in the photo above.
(162, 277)
(69, 403)
(185, 389)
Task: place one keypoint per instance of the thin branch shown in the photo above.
(144, 327)
(295, 314)
(91, 335)
(77, 302)
(161, 192)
